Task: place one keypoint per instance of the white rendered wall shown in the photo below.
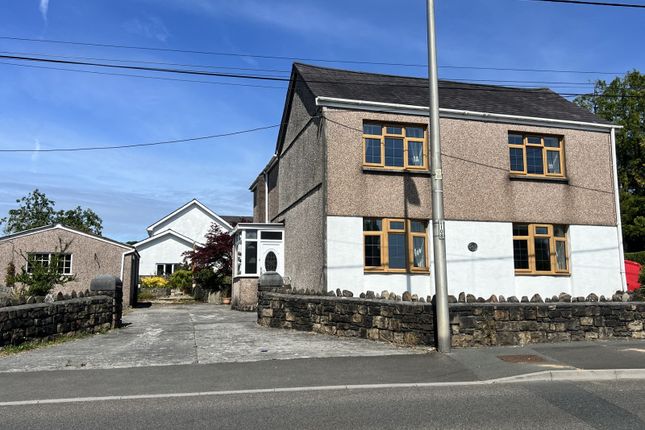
(193, 223)
(488, 270)
(166, 249)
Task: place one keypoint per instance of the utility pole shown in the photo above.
(438, 223)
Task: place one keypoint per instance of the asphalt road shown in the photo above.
(607, 405)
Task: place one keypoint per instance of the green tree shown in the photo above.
(622, 101)
(36, 210)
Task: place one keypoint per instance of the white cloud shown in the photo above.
(44, 8)
(307, 19)
(35, 155)
(150, 27)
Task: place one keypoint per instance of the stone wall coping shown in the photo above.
(77, 300)
(336, 299)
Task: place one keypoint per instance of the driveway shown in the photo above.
(192, 334)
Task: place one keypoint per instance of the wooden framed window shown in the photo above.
(395, 245)
(540, 249)
(536, 155)
(395, 146)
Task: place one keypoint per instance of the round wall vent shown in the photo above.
(472, 247)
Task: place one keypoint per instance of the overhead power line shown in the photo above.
(593, 3)
(294, 58)
(162, 63)
(588, 83)
(140, 145)
(129, 75)
(265, 77)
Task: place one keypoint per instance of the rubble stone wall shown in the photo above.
(472, 324)
(27, 322)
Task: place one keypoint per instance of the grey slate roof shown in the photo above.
(234, 220)
(537, 102)
(52, 226)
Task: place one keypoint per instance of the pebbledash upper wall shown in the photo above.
(479, 189)
(477, 182)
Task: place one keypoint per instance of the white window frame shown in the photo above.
(49, 259)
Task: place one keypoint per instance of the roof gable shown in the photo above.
(164, 234)
(185, 209)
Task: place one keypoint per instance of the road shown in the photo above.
(606, 405)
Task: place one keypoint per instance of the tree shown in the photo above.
(216, 256)
(622, 101)
(40, 278)
(36, 210)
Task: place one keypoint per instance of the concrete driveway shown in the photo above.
(191, 334)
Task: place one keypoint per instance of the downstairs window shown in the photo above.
(395, 245)
(540, 249)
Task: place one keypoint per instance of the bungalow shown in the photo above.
(530, 188)
(179, 231)
(84, 256)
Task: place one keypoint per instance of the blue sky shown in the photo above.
(132, 188)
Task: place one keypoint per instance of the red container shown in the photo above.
(632, 269)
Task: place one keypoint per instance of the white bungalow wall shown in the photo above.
(166, 249)
(489, 270)
(193, 222)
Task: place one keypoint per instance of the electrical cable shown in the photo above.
(290, 58)
(272, 78)
(592, 3)
(139, 145)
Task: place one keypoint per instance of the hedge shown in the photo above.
(638, 257)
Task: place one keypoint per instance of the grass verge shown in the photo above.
(36, 344)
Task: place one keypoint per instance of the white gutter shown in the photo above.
(123, 264)
(619, 224)
(334, 102)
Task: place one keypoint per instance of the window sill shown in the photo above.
(557, 180)
(395, 272)
(566, 275)
(412, 172)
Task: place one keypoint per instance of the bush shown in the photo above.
(638, 257)
(182, 279)
(154, 282)
(207, 279)
(641, 276)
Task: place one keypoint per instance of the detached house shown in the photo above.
(181, 230)
(529, 188)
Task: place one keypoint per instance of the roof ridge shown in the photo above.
(388, 75)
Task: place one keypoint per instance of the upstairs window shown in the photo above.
(64, 262)
(540, 249)
(536, 155)
(395, 245)
(395, 146)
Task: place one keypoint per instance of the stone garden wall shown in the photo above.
(67, 316)
(473, 323)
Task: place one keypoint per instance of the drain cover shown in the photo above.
(525, 358)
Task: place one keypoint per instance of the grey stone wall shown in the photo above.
(26, 322)
(409, 323)
(472, 324)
